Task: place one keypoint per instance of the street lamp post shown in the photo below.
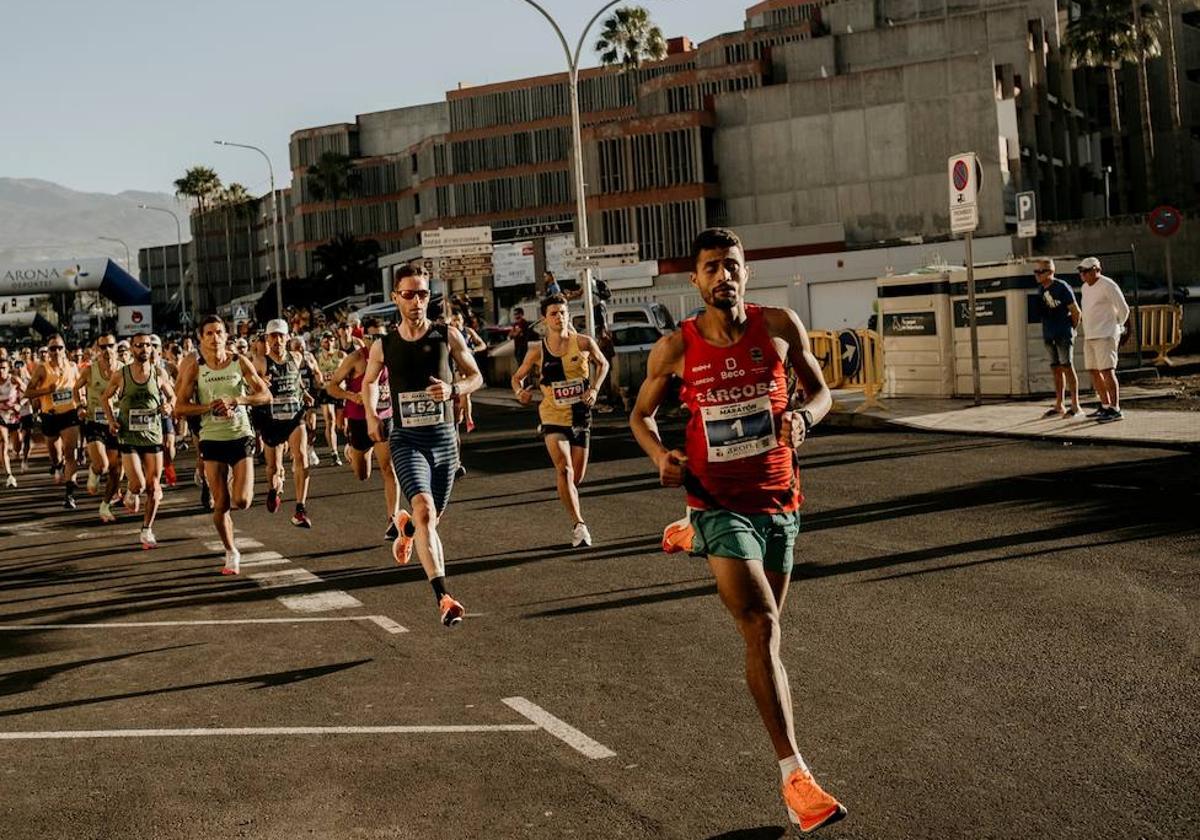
(581, 225)
(274, 222)
(125, 244)
(178, 253)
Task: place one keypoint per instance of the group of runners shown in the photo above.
(750, 384)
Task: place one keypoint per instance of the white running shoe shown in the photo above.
(196, 479)
(93, 483)
(106, 514)
(11, 482)
(337, 459)
(314, 460)
(580, 535)
(148, 540)
(233, 562)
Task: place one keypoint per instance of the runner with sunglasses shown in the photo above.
(146, 397)
(103, 455)
(54, 384)
(422, 441)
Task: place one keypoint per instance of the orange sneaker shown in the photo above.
(452, 611)
(402, 546)
(810, 807)
(678, 536)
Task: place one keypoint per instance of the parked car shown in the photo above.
(636, 338)
(650, 314)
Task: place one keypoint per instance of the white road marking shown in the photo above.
(381, 620)
(334, 599)
(264, 558)
(287, 577)
(387, 624)
(242, 543)
(263, 730)
(558, 728)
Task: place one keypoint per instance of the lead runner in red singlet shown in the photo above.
(739, 469)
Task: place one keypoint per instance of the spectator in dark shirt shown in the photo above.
(1060, 317)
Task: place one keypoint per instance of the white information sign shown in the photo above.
(512, 264)
(556, 253)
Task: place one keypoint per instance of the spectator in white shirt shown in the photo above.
(1105, 313)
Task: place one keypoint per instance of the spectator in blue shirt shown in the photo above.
(551, 283)
(1060, 317)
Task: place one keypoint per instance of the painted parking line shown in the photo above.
(381, 621)
(559, 728)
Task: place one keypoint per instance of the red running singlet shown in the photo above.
(736, 396)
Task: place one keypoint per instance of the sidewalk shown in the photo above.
(1023, 419)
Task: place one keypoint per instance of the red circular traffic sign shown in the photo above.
(136, 317)
(1165, 220)
(961, 175)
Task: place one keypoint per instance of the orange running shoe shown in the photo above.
(678, 536)
(452, 611)
(810, 807)
(402, 546)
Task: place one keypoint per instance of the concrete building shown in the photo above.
(815, 120)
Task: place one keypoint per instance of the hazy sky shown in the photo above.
(126, 94)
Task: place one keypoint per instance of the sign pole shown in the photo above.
(972, 321)
(1170, 275)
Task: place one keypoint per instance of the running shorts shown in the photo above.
(766, 537)
(579, 437)
(356, 430)
(148, 449)
(227, 451)
(99, 433)
(425, 460)
(53, 424)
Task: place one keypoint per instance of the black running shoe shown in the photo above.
(69, 502)
(392, 532)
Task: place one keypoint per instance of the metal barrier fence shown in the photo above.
(865, 375)
(1161, 330)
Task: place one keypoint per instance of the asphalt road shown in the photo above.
(985, 638)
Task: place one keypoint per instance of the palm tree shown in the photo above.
(200, 183)
(332, 178)
(231, 199)
(629, 36)
(1111, 34)
(345, 262)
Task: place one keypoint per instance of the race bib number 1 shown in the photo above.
(417, 408)
(739, 430)
(569, 392)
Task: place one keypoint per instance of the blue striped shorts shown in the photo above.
(425, 460)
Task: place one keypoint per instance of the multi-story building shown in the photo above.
(814, 117)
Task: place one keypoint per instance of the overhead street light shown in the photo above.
(122, 241)
(178, 253)
(274, 223)
(581, 225)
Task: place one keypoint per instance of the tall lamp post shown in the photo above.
(126, 246)
(274, 223)
(178, 252)
(581, 225)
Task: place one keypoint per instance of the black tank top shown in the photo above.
(411, 363)
(285, 377)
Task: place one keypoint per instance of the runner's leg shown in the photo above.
(298, 443)
(747, 595)
(564, 471)
(151, 464)
(391, 493)
(216, 474)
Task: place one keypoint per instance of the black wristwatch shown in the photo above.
(809, 422)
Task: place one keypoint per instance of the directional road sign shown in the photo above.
(601, 256)
(850, 348)
(447, 237)
(452, 251)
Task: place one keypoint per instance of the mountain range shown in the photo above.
(41, 220)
